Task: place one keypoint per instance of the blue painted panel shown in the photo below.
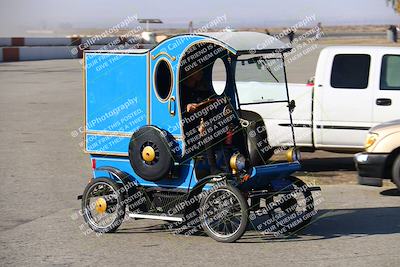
(274, 174)
(171, 51)
(107, 144)
(182, 181)
(275, 169)
(116, 92)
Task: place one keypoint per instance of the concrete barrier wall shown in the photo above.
(36, 41)
(42, 53)
(9, 54)
(43, 41)
(42, 48)
(97, 47)
(5, 41)
(64, 41)
(89, 41)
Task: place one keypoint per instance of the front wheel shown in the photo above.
(224, 213)
(396, 172)
(103, 205)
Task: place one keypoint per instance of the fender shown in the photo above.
(198, 188)
(281, 184)
(202, 182)
(120, 176)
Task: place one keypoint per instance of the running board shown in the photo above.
(315, 188)
(155, 217)
(267, 193)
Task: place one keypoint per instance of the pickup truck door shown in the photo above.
(387, 95)
(343, 101)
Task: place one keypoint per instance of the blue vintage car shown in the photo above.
(169, 138)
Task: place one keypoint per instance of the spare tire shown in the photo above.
(149, 153)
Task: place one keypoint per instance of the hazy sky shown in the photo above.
(19, 15)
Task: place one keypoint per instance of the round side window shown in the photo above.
(219, 76)
(163, 79)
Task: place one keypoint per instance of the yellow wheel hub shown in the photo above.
(101, 205)
(148, 153)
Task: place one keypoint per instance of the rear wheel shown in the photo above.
(103, 205)
(224, 214)
(396, 172)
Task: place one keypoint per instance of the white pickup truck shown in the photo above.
(355, 88)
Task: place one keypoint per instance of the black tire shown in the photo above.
(396, 172)
(115, 205)
(234, 202)
(290, 207)
(162, 164)
(256, 134)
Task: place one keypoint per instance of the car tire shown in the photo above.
(396, 172)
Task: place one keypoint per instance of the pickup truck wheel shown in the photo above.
(396, 172)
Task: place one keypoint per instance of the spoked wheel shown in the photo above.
(224, 214)
(103, 206)
(292, 211)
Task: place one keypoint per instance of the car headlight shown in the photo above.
(370, 140)
(237, 162)
(293, 154)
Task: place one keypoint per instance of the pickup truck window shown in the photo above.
(350, 71)
(390, 78)
(260, 79)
